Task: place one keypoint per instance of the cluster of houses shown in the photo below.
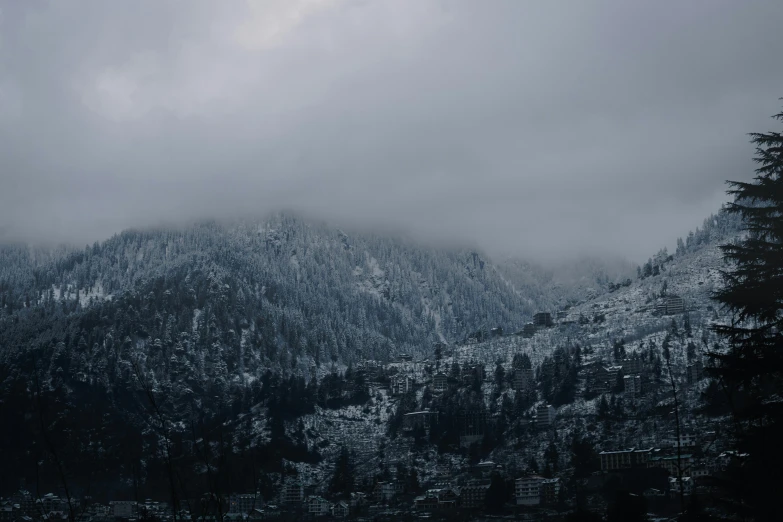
(23, 506)
(685, 470)
(443, 497)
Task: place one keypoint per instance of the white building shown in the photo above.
(528, 490)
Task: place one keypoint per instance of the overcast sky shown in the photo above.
(538, 128)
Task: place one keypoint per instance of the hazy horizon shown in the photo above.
(541, 131)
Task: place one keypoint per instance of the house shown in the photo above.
(472, 494)
(562, 314)
(496, 332)
(607, 377)
(625, 459)
(358, 499)
(440, 382)
(524, 379)
(404, 357)
(549, 491)
(545, 416)
(425, 503)
(292, 493)
(401, 384)
(384, 491)
(632, 384)
(8, 511)
(529, 330)
(318, 506)
(244, 503)
(340, 509)
(543, 319)
(419, 419)
(528, 490)
(675, 485)
(124, 508)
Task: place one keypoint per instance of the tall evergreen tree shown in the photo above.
(752, 364)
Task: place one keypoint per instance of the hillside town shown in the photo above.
(550, 435)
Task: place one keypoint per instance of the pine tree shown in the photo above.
(753, 361)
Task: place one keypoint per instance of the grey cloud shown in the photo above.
(543, 129)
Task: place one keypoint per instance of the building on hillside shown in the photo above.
(419, 419)
(694, 371)
(562, 314)
(440, 382)
(358, 499)
(496, 332)
(244, 503)
(292, 493)
(545, 416)
(404, 357)
(675, 485)
(340, 509)
(607, 377)
(543, 320)
(625, 459)
(632, 385)
(473, 493)
(318, 506)
(670, 463)
(524, 379)
(401, 384)
(632, 365)
(671, 305)
(24, 499)
(472, 424)
(528, 490)
(124, 508)
(549, 491)
(384, 491)
(529, 330)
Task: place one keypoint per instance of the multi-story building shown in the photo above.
(632, 365)
(632, 384)
(545, 416)
(543, 320)
(472, 494)
(401, 384)
(440, 382)
(550, 491)
(524, 379)
(318, 506)
(124, 508)
(244, 503)
(528, 490)
(671, 305)
(625, 459)
(672, 463)
(606, 378)
(418, 419)
(292, 493)
(675, 485)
